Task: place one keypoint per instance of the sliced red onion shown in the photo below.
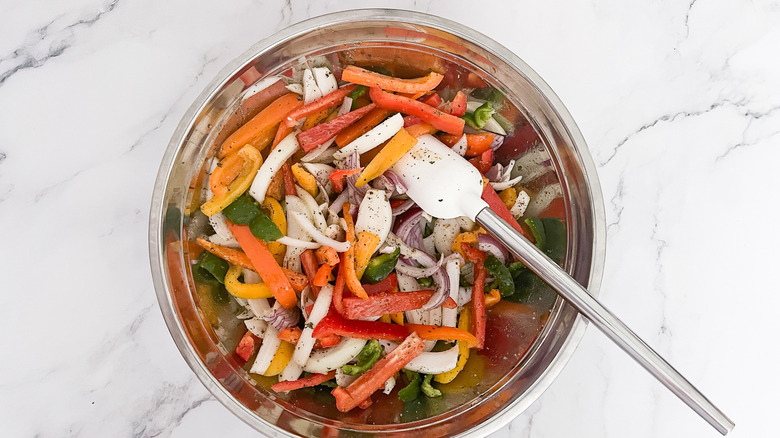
(281, 318)
(408, 228)
(498, 140)
(495, 173)
(403, 208)
(398, 184)
(491, 245)
(338, 203)
(356, 193)
(442, 291)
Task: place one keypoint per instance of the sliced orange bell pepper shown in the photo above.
(290, 334)
(436, 333)
(265, 265)
(350, 274)
(419, 129)
(366, 244)
(327, 255)
(396, 148)
(476, 144)
(361, 76)
(261, 126)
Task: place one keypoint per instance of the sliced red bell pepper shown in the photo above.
(389, 284)
(458, 105)
(289, 180)
(481, 165)
(476, 144)
(411, 120)
(433, 100)
(495, 203)
(335, 324)
(478, 319)
(383, 303)
(327, 101)
(323, 132)
(437, 118)
(246, 346)
(313, 380)
(309, 264)
(361, 389)
(338, 175)
(449, 303)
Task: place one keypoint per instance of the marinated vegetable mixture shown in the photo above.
(338, 278)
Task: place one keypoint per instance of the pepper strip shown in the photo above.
(243, 290)
(258, 131)
(252, 162)
(477, 292)
(463, 351)
(313, 380)
(367, 243)
(310, 139)
(309, 265)
(328, 101)
(276, 213)
(361, 389)
(335, 324)
(495, 203)
(361, 76)
(265, 265)
(436, 333)
(305, 179)
(385, 303)
(350, 274)
(396, 148)
(437, 118)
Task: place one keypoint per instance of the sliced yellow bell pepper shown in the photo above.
(508, 196)
(305, 179)
(385, 318)
(463, 351)
(252, 162)
(399, 145)
(315, 119)
(365, 246)
(243, 290)
(276, 213)
(283, 355)
(466, 237)
(397, 318)
(492, 298)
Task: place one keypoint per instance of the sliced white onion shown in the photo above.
(257, 326)
(460, 146)
(306, 342)
(325, 80)
(316, 214)
(329, 359)
(373, 138)
(317, 235)
(498, 186)
(543, 199)
(292, 255)
(389, 385)
(464, 296)
(311, 91)
(267, 351)
(295, 88)
(259, 306)
(297, 243)
(521, 203)
(493, 126)
(260, 86)
(444, 232)
(449, 317)
(279, 154)
(321, 173)
(335, 232)
(219, 240)
(375, 215)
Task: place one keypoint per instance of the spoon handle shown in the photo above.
(603, 319)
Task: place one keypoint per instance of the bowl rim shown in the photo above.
(157, 216)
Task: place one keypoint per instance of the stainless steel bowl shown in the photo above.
(220, 104)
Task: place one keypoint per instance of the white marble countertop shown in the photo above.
(677, 100)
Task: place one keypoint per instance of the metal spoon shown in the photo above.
(446, 186)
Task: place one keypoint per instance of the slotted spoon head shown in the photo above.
(440, 181)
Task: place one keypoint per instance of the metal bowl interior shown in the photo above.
(220, 105)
